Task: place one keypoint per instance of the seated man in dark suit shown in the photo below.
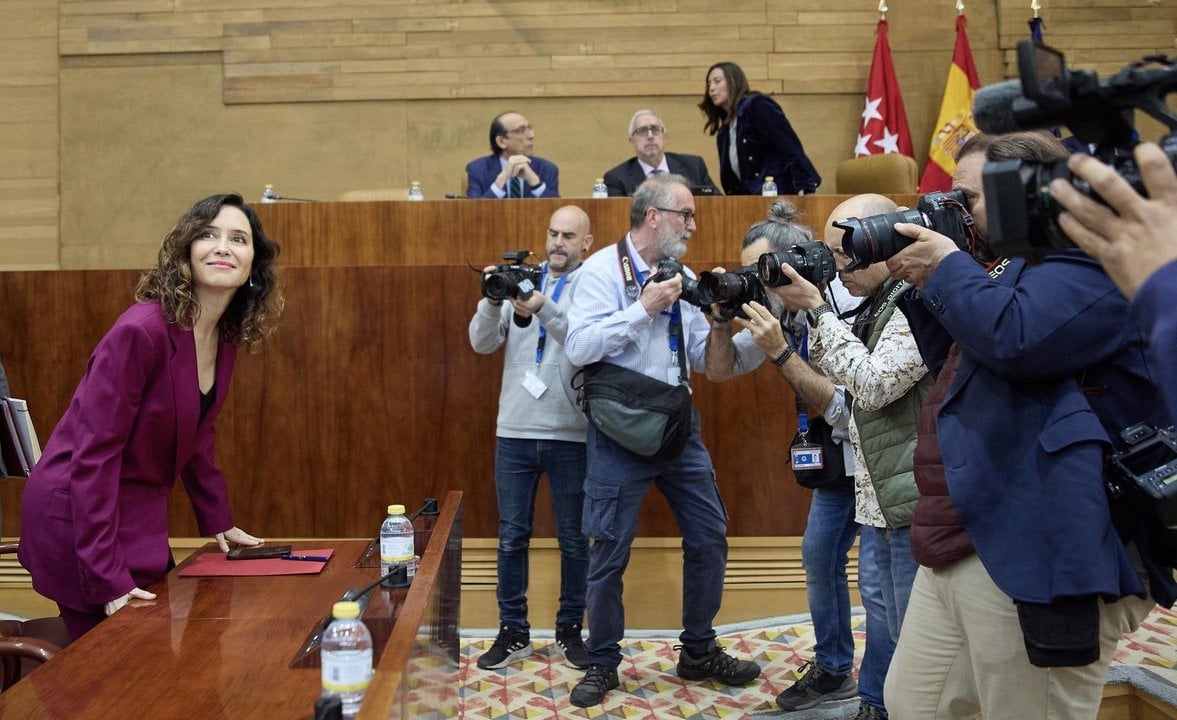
(511, 170)
(648, 135)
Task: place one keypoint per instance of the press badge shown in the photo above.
(535, 386)
(673, 373)
(807, 457)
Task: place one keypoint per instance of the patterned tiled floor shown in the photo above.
(537, 688)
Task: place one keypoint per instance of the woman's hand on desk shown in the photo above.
(136, 593)
(237, 536)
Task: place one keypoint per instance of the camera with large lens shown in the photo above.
(726, 292)
(873, 239)
(668, 268)
(1148, 464)
(812, 261)
(514, 279)
(1023, 218)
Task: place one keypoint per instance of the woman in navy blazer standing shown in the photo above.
(753, 136)
(94, 520)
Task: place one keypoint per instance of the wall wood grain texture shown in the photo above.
(369, 394)
(29, 135)
(116, 114)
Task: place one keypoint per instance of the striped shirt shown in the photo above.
(605, 324)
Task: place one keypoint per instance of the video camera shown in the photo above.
(1023, 218)
(873, 239)
(514, 279)
(1148, 462)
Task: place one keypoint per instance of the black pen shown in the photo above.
(312, 558)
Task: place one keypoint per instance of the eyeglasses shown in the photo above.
(521, 130)
(687, 215)
(648, 130)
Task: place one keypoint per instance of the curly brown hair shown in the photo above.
(253, 312)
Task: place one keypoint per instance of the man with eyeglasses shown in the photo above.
(647, 134)
(620, 317)
(512, 170)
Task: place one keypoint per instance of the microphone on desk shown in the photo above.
(329, 708)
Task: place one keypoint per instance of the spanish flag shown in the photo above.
(955, 124)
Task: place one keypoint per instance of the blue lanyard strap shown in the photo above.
(801, 344)
(543, 332)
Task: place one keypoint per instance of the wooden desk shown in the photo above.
(221, 647)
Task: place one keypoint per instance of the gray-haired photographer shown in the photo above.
(1037, 372)
(751, 324)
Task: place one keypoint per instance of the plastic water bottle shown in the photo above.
(769, 187)
(268, 194)
(346, 657)
(600, 190)
(396, 541)
(415, 191)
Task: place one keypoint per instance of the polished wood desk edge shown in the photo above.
(390, 669)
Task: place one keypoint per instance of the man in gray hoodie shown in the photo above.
(540, 430)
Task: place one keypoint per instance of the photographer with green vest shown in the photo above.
(878, 362)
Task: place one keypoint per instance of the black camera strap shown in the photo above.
(633, 290)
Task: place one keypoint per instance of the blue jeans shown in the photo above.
(886, 552)
(614, 489)
(897, 570)
(825, 548)
(880, 644)
(518, 464)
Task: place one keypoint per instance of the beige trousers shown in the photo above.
(961, 652)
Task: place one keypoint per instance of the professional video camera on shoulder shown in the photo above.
(515, 279)
(1022, 216)
(873, 239)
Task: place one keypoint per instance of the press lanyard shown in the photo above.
(543, 332)
(633, 279)
(802, 345)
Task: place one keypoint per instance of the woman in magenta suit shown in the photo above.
(94, 520)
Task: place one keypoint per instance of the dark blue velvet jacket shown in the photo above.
(768, 146)
(1052, 369)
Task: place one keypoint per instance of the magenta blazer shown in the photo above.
(94, 516)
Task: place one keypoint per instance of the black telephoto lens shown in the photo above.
(812, 261)
(873, 239)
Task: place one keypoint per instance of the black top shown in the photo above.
(206, 401)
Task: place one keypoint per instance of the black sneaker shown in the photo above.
(569, 640)
(592, 687)
(817, 685)
(870, 712)
(716, 664)
(513, 643)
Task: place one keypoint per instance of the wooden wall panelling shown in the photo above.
(29, 165)
(369, 393)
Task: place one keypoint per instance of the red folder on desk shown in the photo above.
(215, 564)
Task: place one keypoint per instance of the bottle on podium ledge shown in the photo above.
(769, 187)
(599, 189)
(415, 192)
(268, 194)
(396, 541)
(346, 657)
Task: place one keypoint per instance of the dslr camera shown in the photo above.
(1023, 218)
(668, 268)
(812, 261)
(1147, 464)
(873, 239)
(729, 290)
(514, 279)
